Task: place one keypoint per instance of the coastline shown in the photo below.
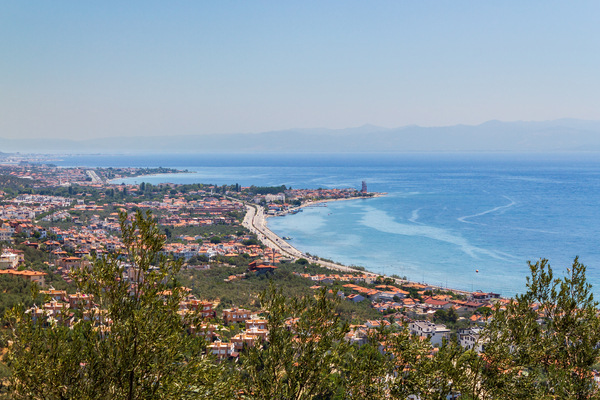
(255, 220)
(410, 188)
(314, 202)
(112, 181)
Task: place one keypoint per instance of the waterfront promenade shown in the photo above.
(255, 221)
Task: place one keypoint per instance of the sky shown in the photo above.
(79, 69)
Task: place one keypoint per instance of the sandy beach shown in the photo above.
(255, 221)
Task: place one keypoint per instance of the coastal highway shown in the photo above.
(93, 176)
(256, 222)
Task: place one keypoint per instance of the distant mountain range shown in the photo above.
(546, 136)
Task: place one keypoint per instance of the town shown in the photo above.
(58, 221)
(203, 227)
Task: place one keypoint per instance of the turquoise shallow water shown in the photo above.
(445, 216)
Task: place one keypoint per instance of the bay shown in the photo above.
(466, 221)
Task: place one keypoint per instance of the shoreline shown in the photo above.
(111, 181)
(255, 220)
(314, 202)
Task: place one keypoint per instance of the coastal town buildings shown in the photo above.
(470, 339)
(68, 231)
(37, 277)
(9, 260)
(235, 315)
(426, 329)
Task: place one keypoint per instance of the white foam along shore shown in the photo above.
(256, 221)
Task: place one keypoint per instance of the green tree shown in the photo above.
(419, 371)
(445, 316)
(544, 344)
(365, 370)
(134, 346)
(304, 352)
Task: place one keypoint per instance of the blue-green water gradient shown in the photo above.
(445, 216)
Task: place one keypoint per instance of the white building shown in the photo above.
(275, 197)
(435, 333)
(470, 339)
(9, 261)
(221, 349)
(6, 233)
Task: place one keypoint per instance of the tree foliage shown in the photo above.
(305, 348)
(136, 345)
(133, 346)
(545, 342)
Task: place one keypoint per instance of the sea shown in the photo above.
(462, 221)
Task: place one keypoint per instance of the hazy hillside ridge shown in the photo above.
(520, 136)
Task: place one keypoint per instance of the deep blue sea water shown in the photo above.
(445, 217)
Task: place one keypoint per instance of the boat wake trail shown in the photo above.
(504, 207)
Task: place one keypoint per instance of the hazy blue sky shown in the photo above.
(94, 69)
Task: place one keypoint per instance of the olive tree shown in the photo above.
(132, 345)
(544, 343)
(304, 351)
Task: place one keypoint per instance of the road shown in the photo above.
(93, 176)
(256, 222)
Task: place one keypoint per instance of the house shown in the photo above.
(258, 323)
(371, 324)
(436, 304)
(33, 276)
(19, 253)
(69, 263)
(473, 305)
(57, 295)
(459, 308)
(389, 296)
(435, 333)
(409, 303)
(248, 338)
(221, 349)
(204, 308)
(357, 335)
(52, 245)
(6, 233)
(242, 339)
(9, 260)
(481, 296)
(55, 308)
(262, 269)
(232, 315)
(470, 339)
(208, 331)
(274, 197)
(80, 301)
(355, 298)
(34, 245)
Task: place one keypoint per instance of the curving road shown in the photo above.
(255, 221)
